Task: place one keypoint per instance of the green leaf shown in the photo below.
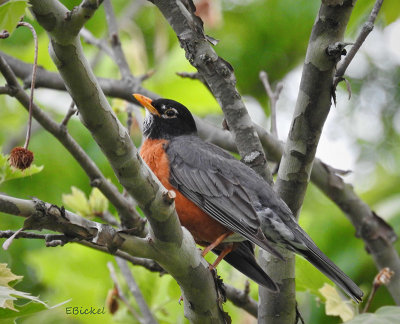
(6, 276)
(11, 13)
(8, 294)
(26, 309)
(9, 173)
(384, 315)
(77, 202)
(98, 203)
(336, 305)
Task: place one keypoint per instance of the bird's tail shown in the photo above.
(242, 258)
(315, 256)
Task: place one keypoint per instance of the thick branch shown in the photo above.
(219, 76)
(377, 235)
(180, 256)
(312, 107)
(41, 215)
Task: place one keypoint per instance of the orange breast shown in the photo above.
(203, 227)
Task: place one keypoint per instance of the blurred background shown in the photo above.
(361, 135)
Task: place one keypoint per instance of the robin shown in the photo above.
(225, 205)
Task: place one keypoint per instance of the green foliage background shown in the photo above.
(254, 35)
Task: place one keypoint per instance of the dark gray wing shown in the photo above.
(211, 178)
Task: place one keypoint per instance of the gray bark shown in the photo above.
(180, 256)
(312, 107)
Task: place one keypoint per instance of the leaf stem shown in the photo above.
(28, 132)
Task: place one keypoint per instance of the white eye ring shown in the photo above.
(166, 115)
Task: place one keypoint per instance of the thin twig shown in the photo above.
(194, 76)
(11, 238)
(148, 317)
(35, 39)
(50, 239)
(29, 235)
(71, 111)
(382, 278)
(89, 38)
(146, 75)
(119, 56)
(109, 219)
(148, 264)
(273, 98)
(241, 298)
(366, 29)
(121, 295)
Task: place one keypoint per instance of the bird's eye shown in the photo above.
(170, 112)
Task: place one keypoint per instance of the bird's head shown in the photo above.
(166, 118)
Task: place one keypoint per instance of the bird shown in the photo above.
(226, 206)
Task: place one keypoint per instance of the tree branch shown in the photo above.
(78, 16)
(242, 299)
(101, 44)
(126, 211)
(365, 31)
(312, 107)
(116, 47)
(219, 76)
(147, 316)
(273, 98)
(321, 176)
(52, 80)
(121, 294)
(377, 235)
(180, 256)
(325, 180)
(40, 215)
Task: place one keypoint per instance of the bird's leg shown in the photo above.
(224, 252)
(215, 243)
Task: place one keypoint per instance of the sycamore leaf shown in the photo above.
(98, 203)
(31, 307)
(9, 173)
(11, 13)
(384, 315)
(6, 276)
(77, 202)
(8, 315)
(335, 304)
(9, 294)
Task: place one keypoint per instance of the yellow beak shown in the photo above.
(146, 103)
